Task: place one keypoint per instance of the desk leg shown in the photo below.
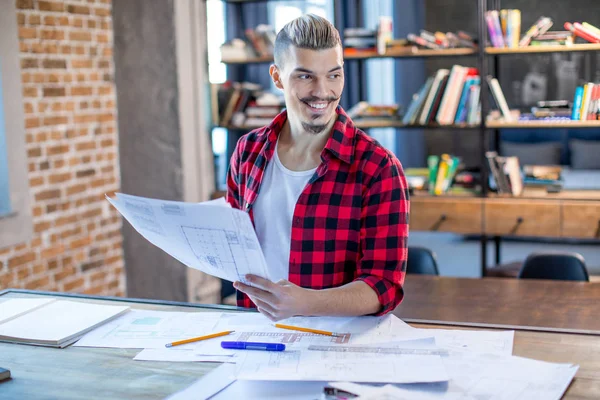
(497, 249)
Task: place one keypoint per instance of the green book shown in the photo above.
(432, 165)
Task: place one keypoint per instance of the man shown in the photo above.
(329, 204)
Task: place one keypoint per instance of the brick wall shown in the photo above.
(71, 134)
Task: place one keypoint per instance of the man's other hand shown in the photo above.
(276, 300)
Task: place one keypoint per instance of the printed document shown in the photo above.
(210, 236)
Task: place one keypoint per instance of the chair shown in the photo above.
(421, 261)
(564, 266)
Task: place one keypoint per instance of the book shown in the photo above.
(56, 323)
(577, 103)
(431, 95)
(499, 98)
(540, 27)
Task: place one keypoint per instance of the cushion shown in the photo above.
(544, 153)
(585, 154)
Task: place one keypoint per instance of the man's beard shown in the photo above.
(316, 128)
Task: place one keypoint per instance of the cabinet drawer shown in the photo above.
(522, 218)
(581, 219)
(446, 215)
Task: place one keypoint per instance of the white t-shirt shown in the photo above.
(273, 213)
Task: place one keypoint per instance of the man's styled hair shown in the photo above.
(306, 32)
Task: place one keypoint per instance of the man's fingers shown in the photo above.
(267, 314)
(256, 292)
(263, 305)
(261, 283)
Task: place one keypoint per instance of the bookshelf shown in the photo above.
(487, 215)
(543, 49)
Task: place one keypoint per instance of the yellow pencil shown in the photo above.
(196, 339)
(309, 330)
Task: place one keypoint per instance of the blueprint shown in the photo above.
(151, 329)
(309, 365)
(211, 236)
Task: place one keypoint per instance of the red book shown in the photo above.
(582, 34)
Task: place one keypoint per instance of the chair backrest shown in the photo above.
(564, 266)
(421, 261)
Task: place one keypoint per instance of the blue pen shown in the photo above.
(253, 346)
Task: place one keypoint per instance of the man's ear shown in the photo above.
(276, 76)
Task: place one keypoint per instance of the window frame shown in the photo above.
(15, 227)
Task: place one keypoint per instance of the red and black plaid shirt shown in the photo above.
(351, 220)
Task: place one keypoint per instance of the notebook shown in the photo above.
(56, 323)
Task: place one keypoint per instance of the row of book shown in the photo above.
(505, 174)
(258, 42)
(586, 105)
(504, 29)
(442, 170)
(449, 97)
(239, 104)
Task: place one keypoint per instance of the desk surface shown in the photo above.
(85, 373)
(524, 304)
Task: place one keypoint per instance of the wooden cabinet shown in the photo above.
(581, 219)
(515, 217)
(440, 214)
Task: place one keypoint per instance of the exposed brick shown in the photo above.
(39, 283)
(76, 285)
(54, 63)
(55, 120)
(102, 12)
(52, 252)
(59, 178)
(81, 91)
(54, 92)
(102, 38)
(35, 19)
(32, 123)
(44, 165)
(52, 34)
(41, 226)
(25, 4)
(75, 189)
(51, 6)
(63, 21)
(47, 195)
(91, 24)
(65, 273)
(85, 172)
(80, 36)
(85, 146)
(29, 63)
(35, 152)
(77, 22)
(82, 63)
(90, 265)
(73, 9)
(20, 19)
(50, 20)
(27, 33)
(21, 260)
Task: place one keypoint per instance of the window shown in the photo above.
(15, 213)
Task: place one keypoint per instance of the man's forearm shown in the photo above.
(353, 299)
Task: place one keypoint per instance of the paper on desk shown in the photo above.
(310, 365)
(15, 307)
(181, 355)
(141, 329)
(209, 385)
(256, 327)
(481, 376)
(212, 238)
(453, 340)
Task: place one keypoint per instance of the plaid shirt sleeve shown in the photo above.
(233, 189)
(384, 235)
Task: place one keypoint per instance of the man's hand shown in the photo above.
(276, 300)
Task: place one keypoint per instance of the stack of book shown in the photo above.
(504, 27)
(237, 104)
(586, 105)
(585, 31)
(442, 170)
(366, 110)
(547, 177)
(441, 40)
(551, 110)
(505, 174)
(359, 39)
(258, 42)
(449, 97)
